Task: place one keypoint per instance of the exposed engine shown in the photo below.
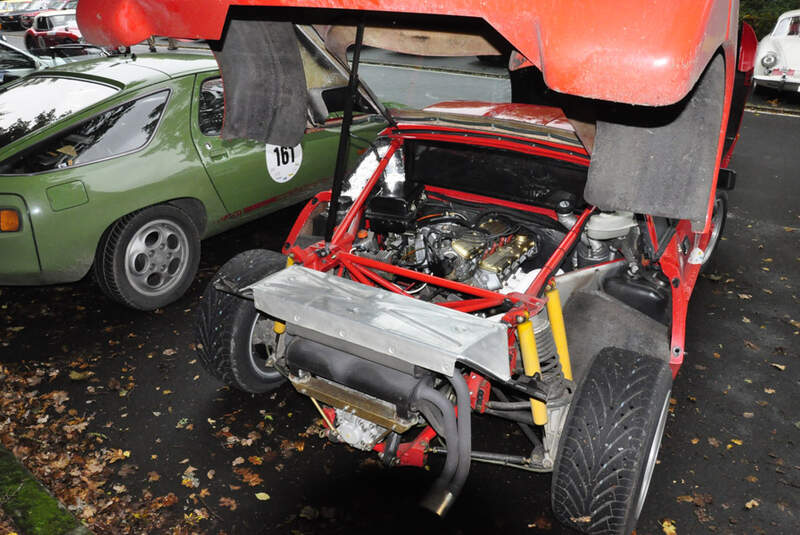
(486, 249)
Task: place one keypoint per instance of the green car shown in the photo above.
(116, 165)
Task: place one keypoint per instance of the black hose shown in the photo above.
(509, 405)
(523, 417)
(432, 415)
(464, 433)
(526, 429)
(432, 398)
(390, 453)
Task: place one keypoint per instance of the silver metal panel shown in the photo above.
(384, 323)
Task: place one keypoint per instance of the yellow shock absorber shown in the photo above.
(280, 327)
(530, 361)
(556, 316)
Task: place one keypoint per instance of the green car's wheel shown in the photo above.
(235, 341)
(148, 259)
(609, 444)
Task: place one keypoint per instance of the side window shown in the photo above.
(41, 24)
(117, 131)
(212, 107)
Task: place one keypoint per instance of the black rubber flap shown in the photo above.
(265, 85)
(660, 161)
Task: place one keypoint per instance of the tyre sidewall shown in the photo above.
(660, 389)
(225, 322)
(721, 196)
(119, 283)
(247, 375)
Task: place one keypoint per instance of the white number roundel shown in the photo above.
(283, 162)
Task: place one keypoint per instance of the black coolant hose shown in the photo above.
(437, 408)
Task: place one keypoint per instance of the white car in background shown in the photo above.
(778, 55)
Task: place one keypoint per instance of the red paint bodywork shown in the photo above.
(659, 49)
(674, 261)
(53, 37)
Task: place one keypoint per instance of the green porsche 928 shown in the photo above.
(117, 166)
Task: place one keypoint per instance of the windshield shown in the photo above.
(420, 81)
(56, 98)
(787, 26)
(36, 4)
(13, 59)
(63, 20)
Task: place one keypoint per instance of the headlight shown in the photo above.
(769, 60)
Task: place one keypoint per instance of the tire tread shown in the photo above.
(215, 326)
(614, 407)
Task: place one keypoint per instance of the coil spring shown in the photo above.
(546, 347)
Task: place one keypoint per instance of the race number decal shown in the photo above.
(283, 162)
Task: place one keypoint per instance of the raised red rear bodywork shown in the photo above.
(659, 49)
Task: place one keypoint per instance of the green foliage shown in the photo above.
(762, 14)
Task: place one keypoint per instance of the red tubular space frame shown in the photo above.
(367, 270)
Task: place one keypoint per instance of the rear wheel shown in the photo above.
(610, 442)
(148, 259)
(235, 340)
(718, 218)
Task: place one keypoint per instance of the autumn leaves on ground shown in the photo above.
(90, 473)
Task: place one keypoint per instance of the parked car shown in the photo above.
(6, 7)
(120, 168)
(51, 28)
(16, 63)
(22, 18)
(508, 260)
(778, 55)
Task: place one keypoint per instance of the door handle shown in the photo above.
(218, 154)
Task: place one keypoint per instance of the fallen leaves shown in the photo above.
(115, 455)
(153, 477)
(713, 442)
(262, 496)
(248, 476)
(80, 376)
(752, 504)
(228, 503)
(780, 367)
(668, 527)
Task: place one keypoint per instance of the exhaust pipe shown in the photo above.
(405, 392)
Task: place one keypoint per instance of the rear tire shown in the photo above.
(149, 258)
(718, 218)
(610, 442)
(235, 339)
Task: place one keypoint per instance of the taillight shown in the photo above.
(9, 220)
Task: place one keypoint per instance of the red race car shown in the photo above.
(509, 260)
(51, 28)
